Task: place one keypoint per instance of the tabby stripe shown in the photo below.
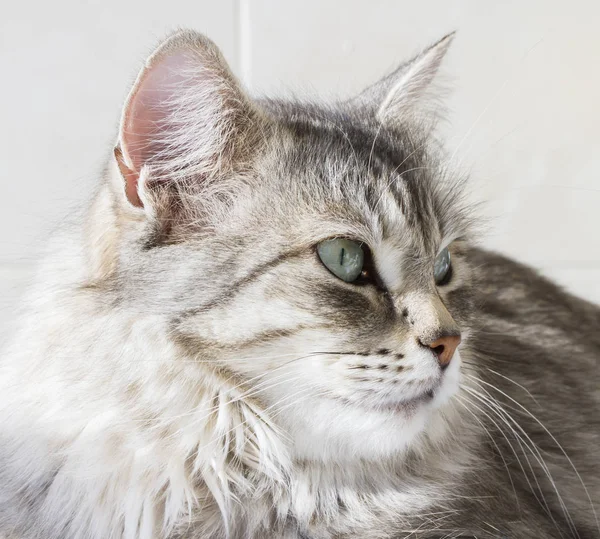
(254, 274)
(193, 343)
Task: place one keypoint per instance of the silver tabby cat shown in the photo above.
(272, 322)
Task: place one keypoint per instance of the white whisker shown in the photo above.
(529, 444)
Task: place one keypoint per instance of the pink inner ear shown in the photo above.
(147, 115)
(149, 108)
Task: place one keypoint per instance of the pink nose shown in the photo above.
(444, 348)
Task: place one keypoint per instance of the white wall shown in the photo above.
(523, 115)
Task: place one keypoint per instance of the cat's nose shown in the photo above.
(444, 347)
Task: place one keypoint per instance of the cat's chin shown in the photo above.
(334, 432)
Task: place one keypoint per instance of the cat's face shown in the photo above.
(309, 281)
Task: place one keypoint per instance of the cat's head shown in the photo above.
(311, 255)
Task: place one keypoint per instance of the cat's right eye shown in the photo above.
(342, 257)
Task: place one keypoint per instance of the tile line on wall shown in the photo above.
(243, 41)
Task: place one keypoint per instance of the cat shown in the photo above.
(273, 321)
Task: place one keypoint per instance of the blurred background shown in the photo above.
(523, 114)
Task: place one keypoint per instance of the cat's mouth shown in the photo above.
(404, 406)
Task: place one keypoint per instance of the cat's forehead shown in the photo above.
(335, 164)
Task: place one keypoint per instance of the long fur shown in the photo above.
(189, 368)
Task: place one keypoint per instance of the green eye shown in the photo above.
(344, 258)
(442, 268)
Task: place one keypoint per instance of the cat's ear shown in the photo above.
(396, 96)
(186, 119)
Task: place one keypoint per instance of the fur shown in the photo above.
(187, 368)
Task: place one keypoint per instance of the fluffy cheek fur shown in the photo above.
(333, 409)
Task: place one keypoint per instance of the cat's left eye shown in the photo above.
(442, 268)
